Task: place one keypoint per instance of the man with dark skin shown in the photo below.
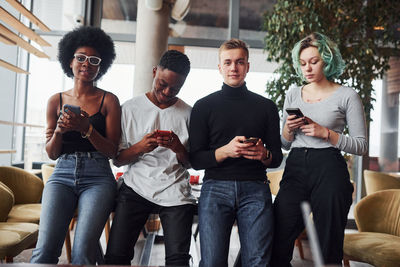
(156, 178)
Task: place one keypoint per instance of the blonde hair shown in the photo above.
(234, 44)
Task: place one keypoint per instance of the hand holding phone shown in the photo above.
(295, 111)
(161, 133)
(74, 109)
(252, 140)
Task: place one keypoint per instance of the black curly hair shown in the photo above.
(86, 36)
(175, 61)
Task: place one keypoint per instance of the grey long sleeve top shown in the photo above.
(342, 107)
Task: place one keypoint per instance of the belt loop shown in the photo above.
(89, 155)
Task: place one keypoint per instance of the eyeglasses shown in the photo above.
(93, 60)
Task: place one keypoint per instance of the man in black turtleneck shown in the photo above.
(235, 185)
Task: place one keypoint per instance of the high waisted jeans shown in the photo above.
(82, 181)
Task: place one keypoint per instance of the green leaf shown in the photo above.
(349, 24)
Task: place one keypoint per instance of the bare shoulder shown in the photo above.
(110, 98)
(111, 102)
(54, 101)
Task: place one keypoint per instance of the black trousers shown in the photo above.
(131, 214)
(319, 176)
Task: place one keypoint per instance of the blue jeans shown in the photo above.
(250, 204)
(82, 181)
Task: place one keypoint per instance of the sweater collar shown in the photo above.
(234, 91)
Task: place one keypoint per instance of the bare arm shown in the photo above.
(54, 128)
(107, 145)
(131, 154)
(291, 124)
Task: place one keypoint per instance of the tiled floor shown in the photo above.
(157, 256)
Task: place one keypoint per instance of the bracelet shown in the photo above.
(89, 132)
(329, 135)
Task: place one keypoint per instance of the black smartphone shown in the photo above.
(252, 140)
(295, 111)
(74, 109)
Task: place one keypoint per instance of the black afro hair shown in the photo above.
(86, 36)
(175, 61)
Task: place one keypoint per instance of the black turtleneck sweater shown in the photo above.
(217, 118)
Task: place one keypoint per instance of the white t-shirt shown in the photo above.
(156, 176)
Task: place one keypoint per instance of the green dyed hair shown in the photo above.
(330, 55)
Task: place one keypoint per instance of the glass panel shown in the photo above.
(46, 79)
(205, 19)
(60, 15)
(120, 77)
(251, 18)
(119, 81)
(375, 125)
(119, 16)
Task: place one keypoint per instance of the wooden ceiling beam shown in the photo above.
(19, 26)
(21, 42)
(18, 6)
(6, 40)
(20, 124)
(11, 67)
(7, 151)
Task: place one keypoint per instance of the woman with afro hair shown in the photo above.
(83, 131)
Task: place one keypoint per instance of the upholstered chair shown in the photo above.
(378, 222)
(47, 171)
(27, 190)
(376, 181)
(14, 236)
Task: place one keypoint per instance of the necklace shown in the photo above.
(313, 100)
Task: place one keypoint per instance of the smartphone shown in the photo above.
(252, 140)
(162, 133)
(74, 109)
(295, 111)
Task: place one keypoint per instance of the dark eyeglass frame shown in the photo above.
(88, 58)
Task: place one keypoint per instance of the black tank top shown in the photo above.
(72, 141)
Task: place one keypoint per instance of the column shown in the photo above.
(388, 159)
(151, 42)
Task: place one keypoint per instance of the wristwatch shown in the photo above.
(267, 154)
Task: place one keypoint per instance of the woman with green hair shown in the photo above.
(315, 169)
